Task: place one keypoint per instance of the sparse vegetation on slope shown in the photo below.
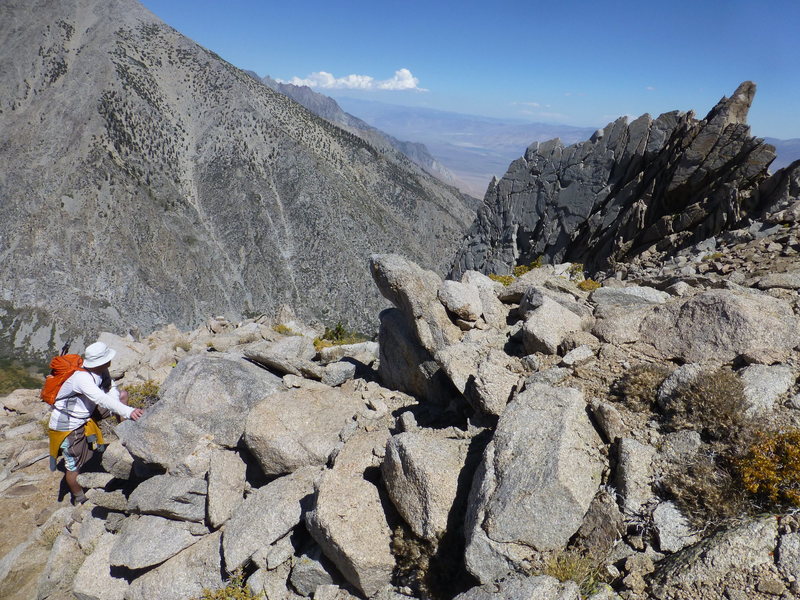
(338, 336)
(15, 376)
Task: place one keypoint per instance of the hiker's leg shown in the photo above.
(71, 477)
(76, 452)
(123, 397)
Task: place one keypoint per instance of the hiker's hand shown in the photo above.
(136, 414)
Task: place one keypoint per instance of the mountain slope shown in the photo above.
(147, 181)
(327, 108)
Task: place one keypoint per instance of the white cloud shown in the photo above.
(650, 88)
(402, 80)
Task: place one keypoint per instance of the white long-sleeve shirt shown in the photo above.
(78, 398)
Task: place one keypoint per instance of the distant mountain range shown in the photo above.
(788, 151)
(475, 148)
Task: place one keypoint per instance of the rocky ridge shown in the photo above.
(493, 433)
(159, 184)
(652, 185)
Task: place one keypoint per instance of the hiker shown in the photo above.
(86, 397)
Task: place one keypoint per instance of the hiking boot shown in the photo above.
(78, 499)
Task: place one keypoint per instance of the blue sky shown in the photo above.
(572, 62)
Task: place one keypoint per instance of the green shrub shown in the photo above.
(235, 589)
(639, 385)
(520, 270)
(575, 269)
(143, 395)
(338, 336)
(283, 329)
(770, 469)
(504, 279)
(713, 256)
(588, 285)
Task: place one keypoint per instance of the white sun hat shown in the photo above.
(97, 354)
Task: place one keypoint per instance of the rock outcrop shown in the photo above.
(662, 183)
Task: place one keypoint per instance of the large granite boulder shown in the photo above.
(718, 325)
(149, 540)
(535, 483)
(634, 474)
(481, 372)
(494, 313)
(226, 484)
(414, 291)
(542, 587)
(94, 580)
(421, 472)
(128, 353)
(267, 515)
(205, 395)
(185, 575)
(181, 498)
(298, 428)
(405, 365)
(59, 571)
(349, 524)
(703, 567)
(461, 299)
(291, 354)
(547, 326)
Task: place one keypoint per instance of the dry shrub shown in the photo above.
(412, 556)
(770, 469)
(639, 385)
(705, 491)
(744, 469)
(713, 404)
(587, 569)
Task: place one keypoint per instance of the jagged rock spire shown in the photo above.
(651, 184)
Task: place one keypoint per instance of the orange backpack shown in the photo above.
(61, 368)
